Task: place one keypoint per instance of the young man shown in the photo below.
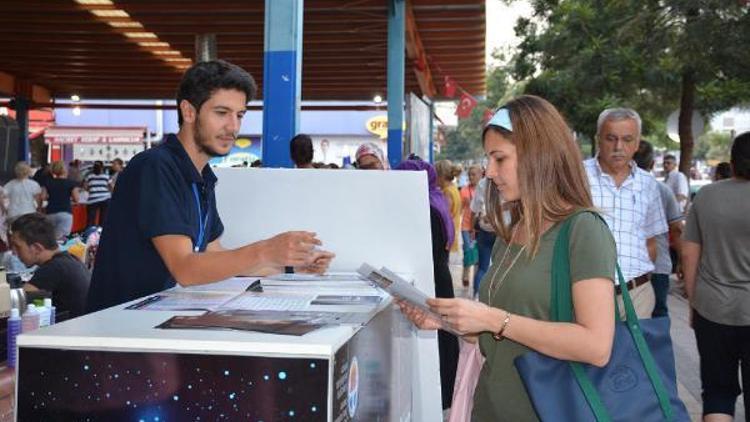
(33, 240)
(163, 226)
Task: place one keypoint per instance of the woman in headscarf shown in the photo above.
(443, 235)
(370, 157)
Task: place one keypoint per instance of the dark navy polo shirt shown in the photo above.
(154, 197)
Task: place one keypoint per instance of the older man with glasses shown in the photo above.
(630, 203)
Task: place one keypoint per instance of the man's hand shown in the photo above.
(291, 249)
(321, 261)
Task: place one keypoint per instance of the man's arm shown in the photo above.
(190, 268)
(675, 232)
(691, 254)
(651, 246)
(321, 260)
(683, 188)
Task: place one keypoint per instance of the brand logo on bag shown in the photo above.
(352, 390)
(622, 378)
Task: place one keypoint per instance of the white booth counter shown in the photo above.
(114, 365)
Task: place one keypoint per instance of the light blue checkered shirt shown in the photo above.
(633, 212)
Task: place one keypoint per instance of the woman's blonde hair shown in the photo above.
(22, 170)
(57, 168)
(447, 171)
(551, 179)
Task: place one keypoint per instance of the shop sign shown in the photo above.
(378, 125)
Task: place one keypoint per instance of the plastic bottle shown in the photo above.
(14, 329)
(51, 311)
(44, 313)
(30, 319)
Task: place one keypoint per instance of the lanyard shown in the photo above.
(202, 221)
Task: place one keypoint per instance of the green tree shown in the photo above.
(714, 146)
(652, 55)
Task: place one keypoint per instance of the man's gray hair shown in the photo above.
(616, 114)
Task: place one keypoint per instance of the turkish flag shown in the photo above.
(465, 106)
(450, 87)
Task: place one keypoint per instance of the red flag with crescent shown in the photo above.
(465, 106)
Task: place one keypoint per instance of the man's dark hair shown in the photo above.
(301, 150)
(670, 157)
(723, 171)
(644, 157)
(118, 161)
(741, 156)
(35, 228)
(204, 78)
(98, 168)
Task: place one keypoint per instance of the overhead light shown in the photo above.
(125, 24)
(113, 13)
(176, 59)
(377, 99)
(139, 34)
(153, 44)
(75, 98)
(95, 2)
(166, 52)
(76, 111)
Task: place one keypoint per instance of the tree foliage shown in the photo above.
(652, 55)
(714, 146)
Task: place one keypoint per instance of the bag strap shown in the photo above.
(561, 310)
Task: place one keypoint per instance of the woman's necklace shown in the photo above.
(492, 290)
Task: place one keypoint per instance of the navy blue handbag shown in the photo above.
(638, 383)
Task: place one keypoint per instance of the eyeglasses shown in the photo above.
(501, 118)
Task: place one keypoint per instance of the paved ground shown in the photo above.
(683, 342)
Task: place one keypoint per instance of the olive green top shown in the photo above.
(500, 394)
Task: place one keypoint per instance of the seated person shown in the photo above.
(32, 238)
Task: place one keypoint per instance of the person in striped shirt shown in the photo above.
(97, 185)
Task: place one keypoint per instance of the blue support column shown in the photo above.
(22, 119)
(396, 64)
(282, 79)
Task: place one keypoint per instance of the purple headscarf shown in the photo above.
(437, 200)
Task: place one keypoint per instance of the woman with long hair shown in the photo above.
(536, 181)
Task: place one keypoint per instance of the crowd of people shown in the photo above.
(505, 220)
(36, 219)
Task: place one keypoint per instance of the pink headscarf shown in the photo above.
(371, 149)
